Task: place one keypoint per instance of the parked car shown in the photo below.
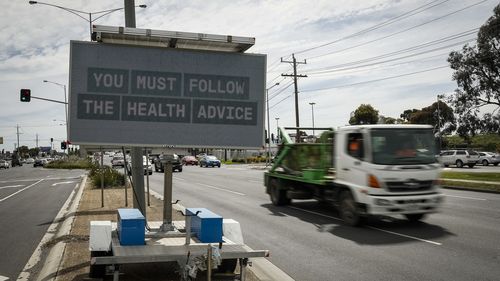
(209, 160)
(459, 158)
(174, 158)
(486, 158)
(4, 164)
(189, 160)
(148, 168)
(118, 161)
(30, 161)
(39, 162)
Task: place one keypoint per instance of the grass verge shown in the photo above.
(70, 163)
(490, 181)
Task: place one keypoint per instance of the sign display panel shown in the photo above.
(145, 96)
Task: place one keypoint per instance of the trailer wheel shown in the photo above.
(99, 270)
(348, 210)
(227, 266)
(414, 217)
(278, 195)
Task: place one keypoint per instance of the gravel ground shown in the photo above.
(76, 259)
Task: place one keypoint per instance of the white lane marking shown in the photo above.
(374, 228)
(68, 178)
(181, 179)
(9, 186)
(256, 181)
(315, 213)
(20, 190)
(407, 236)
(3, 278)
(222, 189)
(64, 182)
(465, 197)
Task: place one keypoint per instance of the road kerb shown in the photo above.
(60, 226)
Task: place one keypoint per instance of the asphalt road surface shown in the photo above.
(309, 242)
(30, 199)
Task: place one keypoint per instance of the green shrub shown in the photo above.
(73, 162)
(111, 176)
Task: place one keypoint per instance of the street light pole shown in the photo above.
(268, 159)
(312, 110)
(277, 128)
(79, 13)
(65, 103)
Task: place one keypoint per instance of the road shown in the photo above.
(309, 242)
(30, 199)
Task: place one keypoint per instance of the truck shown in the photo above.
(362, 170)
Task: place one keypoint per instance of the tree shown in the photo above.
(477, 72)
(406, 115)
(364, 114)
(439, 115)
(33, 152)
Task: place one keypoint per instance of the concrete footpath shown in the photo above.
(66, 244)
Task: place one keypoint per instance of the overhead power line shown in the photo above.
(405, 50)
(354, 66)
(380, 25)
(375, 80)
(362, 82)
(399, 32)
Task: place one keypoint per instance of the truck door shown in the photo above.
(351, 166)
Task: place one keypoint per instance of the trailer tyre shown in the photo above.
(278, 195)
(227, 266)
(97, 271)
(348, 210)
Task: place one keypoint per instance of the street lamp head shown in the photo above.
(140, 6)
(45, 81)
(32, 2)
(312, 103)
(277, 83)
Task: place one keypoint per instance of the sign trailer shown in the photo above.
(151, 96)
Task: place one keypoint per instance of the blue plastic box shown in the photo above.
(131, 227)
(206, 225)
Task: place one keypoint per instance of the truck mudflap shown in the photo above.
(404, 204)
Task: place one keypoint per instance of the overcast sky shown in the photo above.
(390, 54)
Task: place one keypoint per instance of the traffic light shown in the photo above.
(25, 95)
(51, 139)
(63, 145)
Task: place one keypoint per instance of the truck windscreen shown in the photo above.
(403, 146)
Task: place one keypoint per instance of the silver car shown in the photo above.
(459, 158)
(486, 158)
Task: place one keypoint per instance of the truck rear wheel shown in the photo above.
(278, 195)
(347, 209)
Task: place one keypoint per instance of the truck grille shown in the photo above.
(408, 186)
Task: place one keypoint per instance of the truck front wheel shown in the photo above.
(347, 209)
(414, 217)
(278, 195)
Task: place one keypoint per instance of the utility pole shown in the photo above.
(136, 152)
(37, 140)
(295, 75)
(17, 127)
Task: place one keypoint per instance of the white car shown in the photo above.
(30, 161)
(459, 158)
(4, 164)
(118, 161)
(148, 168)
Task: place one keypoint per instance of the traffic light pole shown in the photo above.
(49, 100)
